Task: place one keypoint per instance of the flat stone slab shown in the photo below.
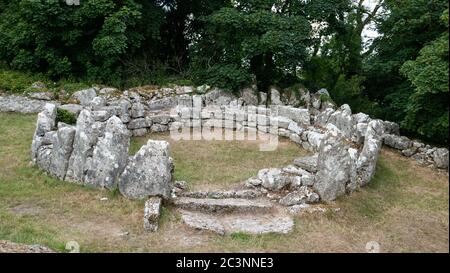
(223, 205)
(19, 104)
(245, 223)
(218, 194)
(308, 163)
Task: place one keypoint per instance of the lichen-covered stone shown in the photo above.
(110, 156)
(149, 172)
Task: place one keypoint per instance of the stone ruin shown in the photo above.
(344, 151)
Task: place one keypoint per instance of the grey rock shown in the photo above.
(19, 104)
(85, 97)
(219, 194)
(87, 132)
(323, 117)
(164, 103)
(249, 96)
(139, 132)
(397, 142)
(160, 119)
(202, 221)
(152, 213)
(272, 179)
(72, 108)
(44, 157)
(300, 196)
(62, 149)
(46, 120)
(158, 128)
(391, 128)
(298, 115)
(314, 139)
(181, 185)
(97, 103)
(223, 205)
(110, 156)
(149, 172)
(295, 138)
(137, 110)
(42, 95)
(333, 165)
(308, 163)
(342, 119)
(294, 128)
(275, 97)
(139, 123)
(185, 101)
(367, 161)
(440, 157)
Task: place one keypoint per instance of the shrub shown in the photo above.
(65, 116)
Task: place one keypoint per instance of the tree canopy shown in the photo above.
(401, 75)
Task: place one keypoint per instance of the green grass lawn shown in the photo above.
(405, 208)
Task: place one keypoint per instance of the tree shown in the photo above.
(404, 30)
(339, 50)
(256, 39)
(428, 107)
(88, 40)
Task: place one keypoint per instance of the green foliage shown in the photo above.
(15, 81)
(427, 108)
(89, 40)
(409, 26)
(252, 40)
(65, 116)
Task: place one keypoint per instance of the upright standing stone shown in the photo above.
(149, 172)
(151, 214)
(110, 155)
(46, 122)
(333, 166)
(84, 140)
(367, 161)
(62, 149)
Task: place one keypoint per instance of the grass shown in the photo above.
(405, 208)
(228, 163)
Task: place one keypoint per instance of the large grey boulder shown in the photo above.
(85, 97)
(323, 117)
(367, 161)
(19, 104)
(74, 109)
(308, 163)
(391, 128)
(273, 179)
(62, 149)
(149, 172)
(46, 122)
(87, 133)
(250, 96)
(342, 119)
(275, 97)
(298, 115)
(440, 157)
(397, 142)
(333, 166)
(110, 156)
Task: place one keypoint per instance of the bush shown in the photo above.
(14, 81)
(65, 116)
